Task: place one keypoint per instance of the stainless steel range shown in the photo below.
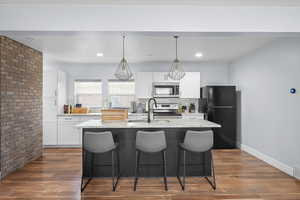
(167, 107)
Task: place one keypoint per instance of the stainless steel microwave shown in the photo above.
(165, 89)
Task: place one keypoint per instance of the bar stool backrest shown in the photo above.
(151, 141)
(98, 142)
(199, 141)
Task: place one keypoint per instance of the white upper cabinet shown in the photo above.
(61, 91)
(190, 85)
(143, 84)
(162, 77)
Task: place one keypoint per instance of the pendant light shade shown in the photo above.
(176, 71)
(123, 71)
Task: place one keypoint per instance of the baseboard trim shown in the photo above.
(61, 146)
(271, 161)
(297, 172)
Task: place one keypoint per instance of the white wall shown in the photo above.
(269, 113)
(211, 73)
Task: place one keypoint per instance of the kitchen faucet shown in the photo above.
(149, 108)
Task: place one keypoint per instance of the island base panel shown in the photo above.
(126, 140)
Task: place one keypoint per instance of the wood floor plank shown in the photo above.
(240, 176)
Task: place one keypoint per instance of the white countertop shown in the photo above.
(170, 123)
(79, 114)
(99, 114)
(92, 114)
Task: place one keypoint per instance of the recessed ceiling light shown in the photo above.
(99, 54)
(198, 54)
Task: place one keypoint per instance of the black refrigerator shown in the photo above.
(219, 105)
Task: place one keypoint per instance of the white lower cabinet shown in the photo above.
(69, 134)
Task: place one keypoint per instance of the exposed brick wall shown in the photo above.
(21, 86)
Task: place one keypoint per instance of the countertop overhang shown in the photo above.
(170, 123)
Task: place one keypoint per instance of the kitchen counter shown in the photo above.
(165, 123)
(125, 132)
(94, 114)
(133, 114)
(79, 114)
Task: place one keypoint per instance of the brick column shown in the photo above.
(21, 74)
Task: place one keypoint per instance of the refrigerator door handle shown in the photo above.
(222, 107)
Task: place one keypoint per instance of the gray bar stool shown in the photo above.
(150, 142)
(197, 142)
(100, 143)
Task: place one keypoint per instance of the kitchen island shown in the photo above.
(125, 132)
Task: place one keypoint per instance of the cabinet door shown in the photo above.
(69, 134)
(190, 85)
(50, 132)
(50, 78)
(143, 84)
(162, 77)
(61, 91)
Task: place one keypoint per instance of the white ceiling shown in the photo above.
(82, 47)
(161, 2)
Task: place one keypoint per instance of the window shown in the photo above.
(121, 93)
(88, 93)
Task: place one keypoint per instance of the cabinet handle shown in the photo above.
(67, 118)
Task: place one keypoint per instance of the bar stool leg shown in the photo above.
(178, 162)
(213, 171)
(137, 168)
(212, 183)
(83, 186)
(118, 157)
(178, 169)
(83, 168)
(113, 169)
(165, 169)
(184, 170)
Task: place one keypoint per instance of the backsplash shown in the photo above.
(182, 102)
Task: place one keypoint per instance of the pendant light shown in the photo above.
(176, 70)
(123, 71)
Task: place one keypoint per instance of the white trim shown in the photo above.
(60, 146)
(297, 173)
(273, 162)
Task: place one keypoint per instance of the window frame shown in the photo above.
(88, 80)
(120, 81)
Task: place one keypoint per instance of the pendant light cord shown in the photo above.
(123, 47)
(176, 37)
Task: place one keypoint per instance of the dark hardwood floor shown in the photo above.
(240, 176)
